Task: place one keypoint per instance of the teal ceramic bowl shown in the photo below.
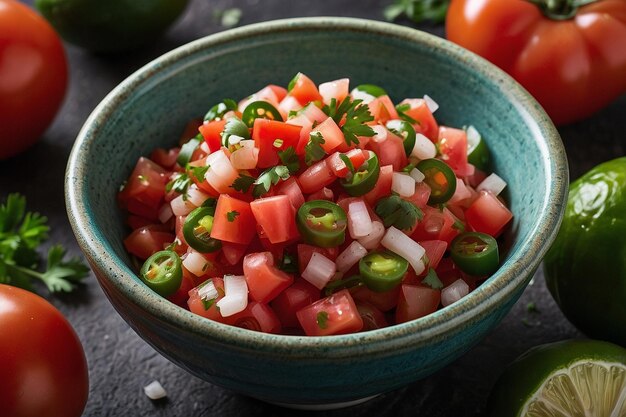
(150, 108)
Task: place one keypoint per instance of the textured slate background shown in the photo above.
(121, 363)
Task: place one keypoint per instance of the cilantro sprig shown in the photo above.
(21, 233)
(313, 150)
(263, 183)
(289, 159)
(355, 115)
(394, 211)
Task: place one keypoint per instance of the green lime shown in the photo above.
(585, 268)
(573, 378)
(110, 25)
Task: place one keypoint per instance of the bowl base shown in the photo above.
(325, 406)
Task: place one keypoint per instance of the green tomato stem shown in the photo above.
(560, 9)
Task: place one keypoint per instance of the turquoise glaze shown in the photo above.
(152, 106)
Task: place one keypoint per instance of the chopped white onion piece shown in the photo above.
(205, 147)
(454, 292)
(234, 139)
(165, 213)
(207, 291)
(245, 157)
(402, 184)
(221, 173)
(402, 245)
(236, 298)
(359, 220)
(181, 207)
(424, 148)
(461, 193)
(362, 95)
(417, 175)
(372, 240)
(319, 270)
(380, 133)
(196, 196)
(350, 256)
(333, 89)
(195, 263)
(473, 137)
(289, 103)
(432, 104)
(155, 390)
(492, 183)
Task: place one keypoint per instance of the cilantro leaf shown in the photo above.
(313, 150)
(198, 172)
(268, 178)
(432, 280)
(21, 233)
(322, 319)
(417, 10)
(289, 158)
(180, 184)
(231, 215)
(243, 183)
(348, 162)
(401, 109)
(356, 115)
(394, 211)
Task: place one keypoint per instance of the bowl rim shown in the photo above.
(479, 303)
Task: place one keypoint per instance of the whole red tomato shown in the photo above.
(43, 371)
(573, 66)
(33, 77)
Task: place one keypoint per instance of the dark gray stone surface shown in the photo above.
(121, 364)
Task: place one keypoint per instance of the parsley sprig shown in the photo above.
(21, 233)
(394, 211)
(356, 116)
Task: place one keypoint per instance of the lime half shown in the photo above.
(576, 378)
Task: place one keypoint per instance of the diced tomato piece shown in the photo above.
(435, 249)
(337, 90)
(332, 134)
(258, 317)
(265, 281)
(384, 301)
(291, 189)
(336, 314)
(144, 190)
(190, 131)
(147, 240)
(390, 151)
(277, 216)
(181, 295)
(382, 187)
(452, 144)
(135, 222)
(202, 183)
(299, 295)
(488, 214)
(233, 252)
(382, 109)
(419, 111)
(279, 91)
(165, 158)
(304, 90)
(233, 221)
(372, 317)
(356, 156)
(436, 225)
(307, 126)
(207, 308)
(212, 133)
(266, 132)
(313, 113)
(448, 272)
(316, 177)
(323, 194)
(416, 301)
(305, 252)
(421, 195)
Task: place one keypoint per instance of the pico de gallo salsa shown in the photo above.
(316, 210)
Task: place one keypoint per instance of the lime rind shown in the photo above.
(583, 389)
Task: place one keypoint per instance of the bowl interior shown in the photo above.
(151, 108)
